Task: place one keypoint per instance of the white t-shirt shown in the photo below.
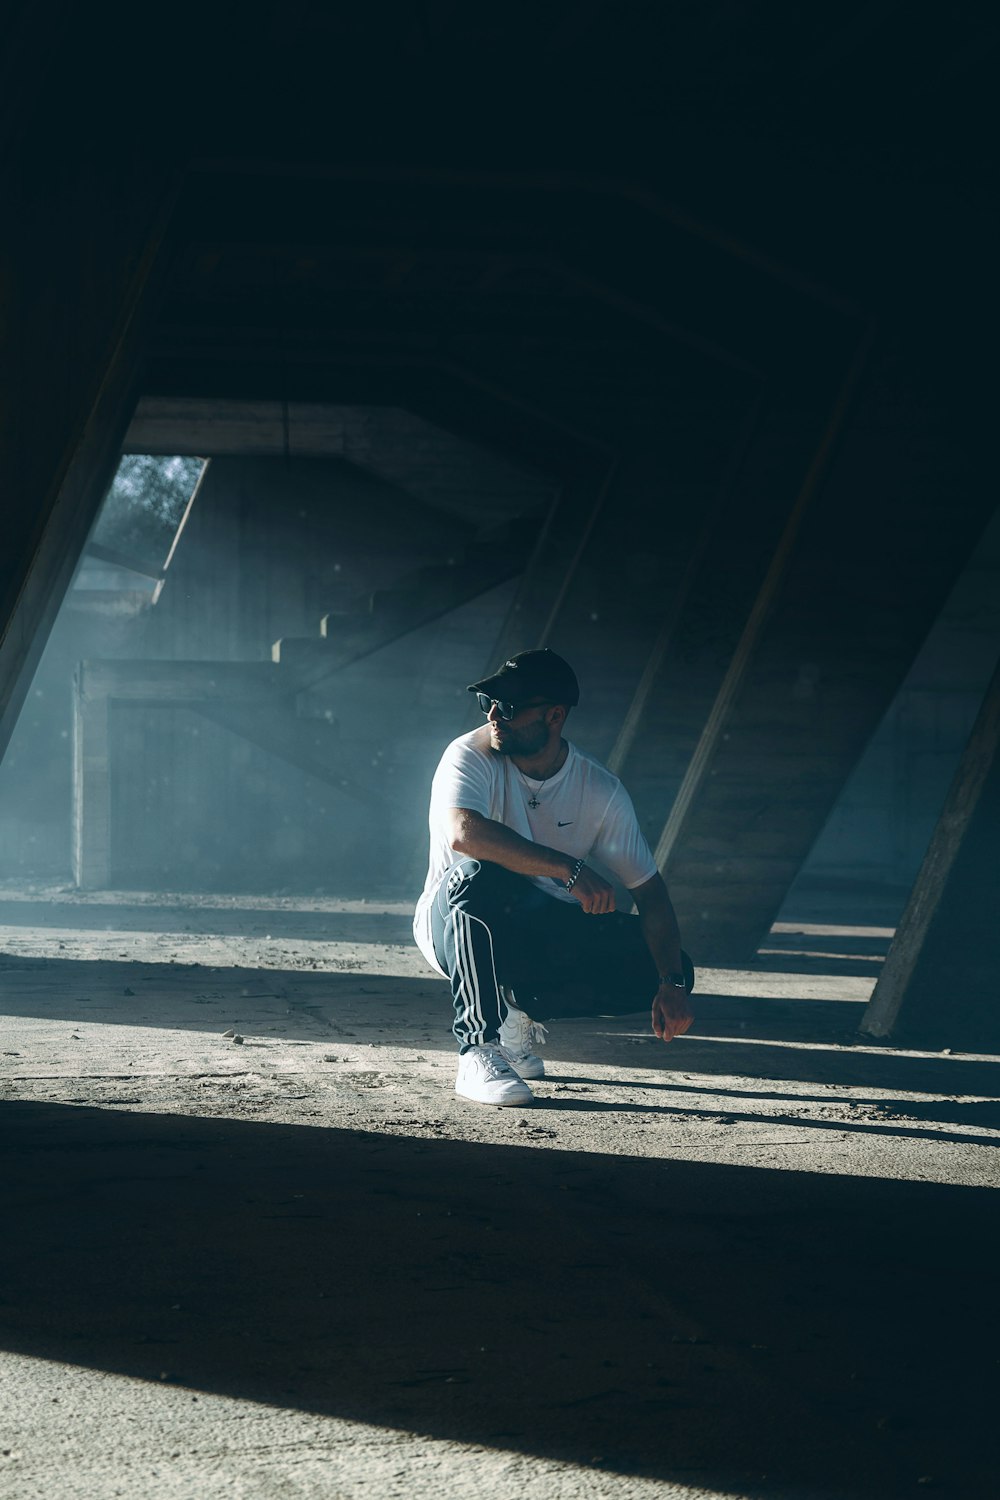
(583, 811)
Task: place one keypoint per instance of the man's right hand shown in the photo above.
(594, 893)
(672, 1013)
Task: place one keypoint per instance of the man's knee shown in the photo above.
(474, 884)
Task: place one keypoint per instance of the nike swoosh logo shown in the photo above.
(563, 825)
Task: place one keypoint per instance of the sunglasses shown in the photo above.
(507, 711)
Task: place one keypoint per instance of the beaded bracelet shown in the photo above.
(571, 882)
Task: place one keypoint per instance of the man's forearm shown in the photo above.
(482, 838)
(672, 1014)
(660, 930)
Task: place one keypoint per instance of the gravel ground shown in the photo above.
(289, 1261)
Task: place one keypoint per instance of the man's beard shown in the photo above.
(527, 741)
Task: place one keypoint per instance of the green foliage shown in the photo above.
(144, 506)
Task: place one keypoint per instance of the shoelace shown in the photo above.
(529, 1033)
(494, 1064)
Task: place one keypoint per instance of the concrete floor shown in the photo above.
(760, 1262)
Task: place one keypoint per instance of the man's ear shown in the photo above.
(556, 716)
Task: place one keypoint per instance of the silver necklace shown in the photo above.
(534, 790)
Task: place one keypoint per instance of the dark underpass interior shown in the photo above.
(347, 350)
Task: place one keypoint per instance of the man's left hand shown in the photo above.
(672, 1013)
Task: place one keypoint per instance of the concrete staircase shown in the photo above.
(265, 702)
(365, 623)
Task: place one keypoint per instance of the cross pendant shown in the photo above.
(533, 801)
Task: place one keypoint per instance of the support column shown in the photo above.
(81, 267)
(857, 581)
(553, 564)
(718, 542)
(679, 596)
(91, 782)
(941, 982)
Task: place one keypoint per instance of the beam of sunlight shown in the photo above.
(863, 958)
(166, 936)
(250, 952)
(64, 1435)
(831, 929)
(341, 1082)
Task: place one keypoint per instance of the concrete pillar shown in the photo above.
(80, 267)
(851, 592)
(941, 982)
(91, 781)
(693, 546)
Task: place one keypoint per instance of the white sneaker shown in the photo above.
(518, 1035)
(486, 1077)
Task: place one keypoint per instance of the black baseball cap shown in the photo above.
(531, 674)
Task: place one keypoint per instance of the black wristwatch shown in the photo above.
(676, 981)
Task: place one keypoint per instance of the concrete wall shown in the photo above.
(883, 820)
(268, 548)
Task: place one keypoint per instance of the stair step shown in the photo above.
(369, 622)
(434, 591)
(495, 554)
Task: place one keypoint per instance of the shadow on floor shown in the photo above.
(708, 1325)
(217, 921)
(842, 966)
(291, 1004)
(970, 1114)
(789, 1040)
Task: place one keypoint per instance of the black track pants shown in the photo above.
(495, 929)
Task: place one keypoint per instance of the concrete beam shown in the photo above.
(668, 582)
(851, 592)
(685, 578)
(553, 563)
(82, 269)
(91, 815)
(165, 682)
(442, 392)
(939, 983)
